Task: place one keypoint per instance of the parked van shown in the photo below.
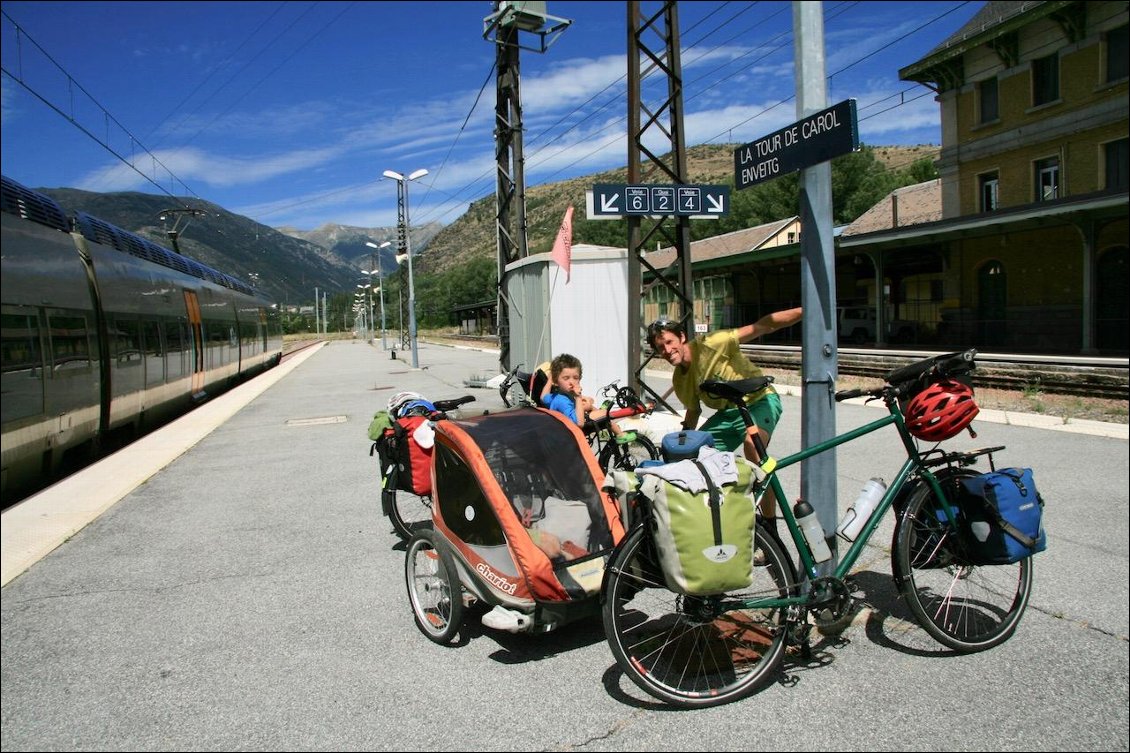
(857, 325)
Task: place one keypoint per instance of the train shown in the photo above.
(107, 335)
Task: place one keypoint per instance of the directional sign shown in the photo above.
(815, 139)
(611, 200)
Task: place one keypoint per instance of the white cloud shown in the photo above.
(199, 166)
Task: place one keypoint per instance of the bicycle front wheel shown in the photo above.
(964, 607)
(410, 513)
(627, 456)
(684, 650)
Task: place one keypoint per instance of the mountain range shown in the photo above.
(288, 264)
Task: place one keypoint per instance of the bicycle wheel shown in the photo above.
(410, 513)
(686, 650)
(434, 589)
(626, 456)
(964, 607)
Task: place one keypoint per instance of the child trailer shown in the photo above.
(520, 526)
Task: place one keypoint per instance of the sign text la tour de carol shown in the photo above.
(814, 139)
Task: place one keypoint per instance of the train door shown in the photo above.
(196, 337)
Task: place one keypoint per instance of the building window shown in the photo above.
(987, 99)
(1047, 179)
(1045, 80)
(989, 184)
(1116, 52)
(1115, 159)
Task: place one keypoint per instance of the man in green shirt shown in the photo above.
(717, 356)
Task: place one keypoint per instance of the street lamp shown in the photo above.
(367, 294)
(381, 278)
(403, 181)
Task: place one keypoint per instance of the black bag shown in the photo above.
(1002, 516)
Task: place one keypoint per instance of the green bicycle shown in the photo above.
(696, 651)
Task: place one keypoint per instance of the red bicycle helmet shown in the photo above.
(941, 410)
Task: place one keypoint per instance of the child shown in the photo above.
(564, 394)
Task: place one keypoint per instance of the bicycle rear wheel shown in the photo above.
(626, 456)
(409, 513)
(967, 608)
(682, 649)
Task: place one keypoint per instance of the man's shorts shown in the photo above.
(728, 428)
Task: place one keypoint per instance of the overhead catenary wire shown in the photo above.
(540, 144)
(533, 159)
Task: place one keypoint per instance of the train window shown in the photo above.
(125, 341)
(175, 345)
(154, 353)
(248, 338)
(19, 341)
(70, 343)
(216, 349)
(21, 360)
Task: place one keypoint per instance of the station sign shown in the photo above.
(807, 142)
(614, 200)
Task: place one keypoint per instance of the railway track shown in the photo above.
(1085, 377)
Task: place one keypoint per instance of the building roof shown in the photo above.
(719, 246)
(909, 205)
(992, 21)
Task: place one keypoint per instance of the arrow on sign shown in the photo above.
(608, 202)
(717, 203)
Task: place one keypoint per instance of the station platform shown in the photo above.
(229, 583)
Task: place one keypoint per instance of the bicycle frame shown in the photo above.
(914, 465)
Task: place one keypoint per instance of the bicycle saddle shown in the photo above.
(443, 406)
(734, 391)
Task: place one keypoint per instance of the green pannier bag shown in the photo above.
(704, 541)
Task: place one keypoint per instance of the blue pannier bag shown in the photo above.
(1003, 515)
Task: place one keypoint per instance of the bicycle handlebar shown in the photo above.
(935, 367)
(903, 380)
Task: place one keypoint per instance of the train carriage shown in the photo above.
(106, 335)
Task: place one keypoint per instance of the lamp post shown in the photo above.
(403, 181)
(381, 278)
(367, 305)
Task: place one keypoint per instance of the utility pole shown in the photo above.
(819, 358)
(646, 124)
(507, 22)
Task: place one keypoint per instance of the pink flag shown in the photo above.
(563, 246)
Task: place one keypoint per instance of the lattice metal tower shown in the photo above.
(653, 52)
(507, 24)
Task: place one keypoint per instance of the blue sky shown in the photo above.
(289, 113)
